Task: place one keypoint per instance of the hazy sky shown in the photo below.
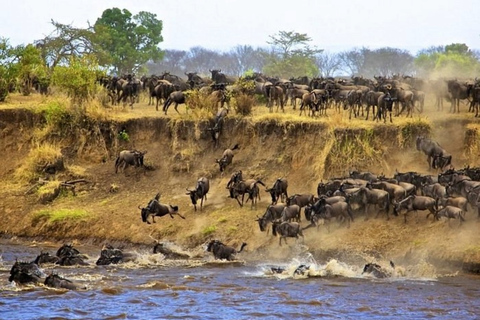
(222, 24)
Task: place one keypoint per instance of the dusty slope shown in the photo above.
(181, 152)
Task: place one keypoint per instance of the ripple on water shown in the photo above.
(112, 291)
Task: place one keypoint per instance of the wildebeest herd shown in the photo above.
(381, 96)
(448, 194)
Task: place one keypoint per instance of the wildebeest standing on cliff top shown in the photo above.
(132, 158)
(200, 192)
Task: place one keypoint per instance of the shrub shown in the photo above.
(244, 104)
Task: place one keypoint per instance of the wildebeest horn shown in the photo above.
(140, 208)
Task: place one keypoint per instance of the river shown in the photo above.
(155, 288)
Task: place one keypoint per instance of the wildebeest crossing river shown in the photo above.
(156, 288)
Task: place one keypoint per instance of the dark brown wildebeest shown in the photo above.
(227, 157)
(432, 149)
(287, 230)
(239, 187)
(132, 158)
(177, 97)
(300, 200)
(414, 203)
(396, 192)
(221, 251)
(273, 212)
(278, 190)
(459, 91)
(157, 209)
(200, 192)
(45, 257)
(25, 272)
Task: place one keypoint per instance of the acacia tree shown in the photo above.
(65, 42)
(291, 55)
(129, 41)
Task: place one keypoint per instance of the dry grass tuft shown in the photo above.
(38, 158)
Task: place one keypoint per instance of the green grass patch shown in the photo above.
(209, 230)
(61, 215)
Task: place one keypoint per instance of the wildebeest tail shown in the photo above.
(461, 216)
(260, 182)
(242, 246)
(236, 147)
(117, 163)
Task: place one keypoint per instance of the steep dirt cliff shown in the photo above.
(181, 151)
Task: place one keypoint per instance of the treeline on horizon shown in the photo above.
(120, 42)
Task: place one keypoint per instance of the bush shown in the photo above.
(244, 104)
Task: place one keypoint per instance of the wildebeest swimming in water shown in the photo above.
(55, 281)
(110, 255)
(69, 256)
(25, 272)
(377, 271)
(222, 251)
(157, 209)
(45, 257)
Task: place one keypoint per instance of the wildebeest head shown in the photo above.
(222, 163)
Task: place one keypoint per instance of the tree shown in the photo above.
(291, 56)
(383, 61)
(453, 60)
(129, 41)
(77, 79)
(63, 43)
(328, 63)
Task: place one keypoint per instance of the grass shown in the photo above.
(209, 230)
(38, 157)
(61, 215)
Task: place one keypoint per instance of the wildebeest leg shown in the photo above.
(180, 215)
(176, 106)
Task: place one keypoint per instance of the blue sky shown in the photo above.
(222, 24)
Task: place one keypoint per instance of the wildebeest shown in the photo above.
(239, 187)
(322, 210)
(221, 251)
(291, 212)
(376, 270)
(45, 257)
(217, 126)
(200, 192)
(278, 190)
(227, 157)
(176, 97)
(129, 158)
(287, 230)
(55, 281)
(396, 192)
(70, 256)
(458, 91)
(273, 212)
(432, 149)
(110, 255)
(414, 203)
(157, 209)
(300, 199)
(450, 212)
(366, 196)
(219, 77)
(25, 272)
